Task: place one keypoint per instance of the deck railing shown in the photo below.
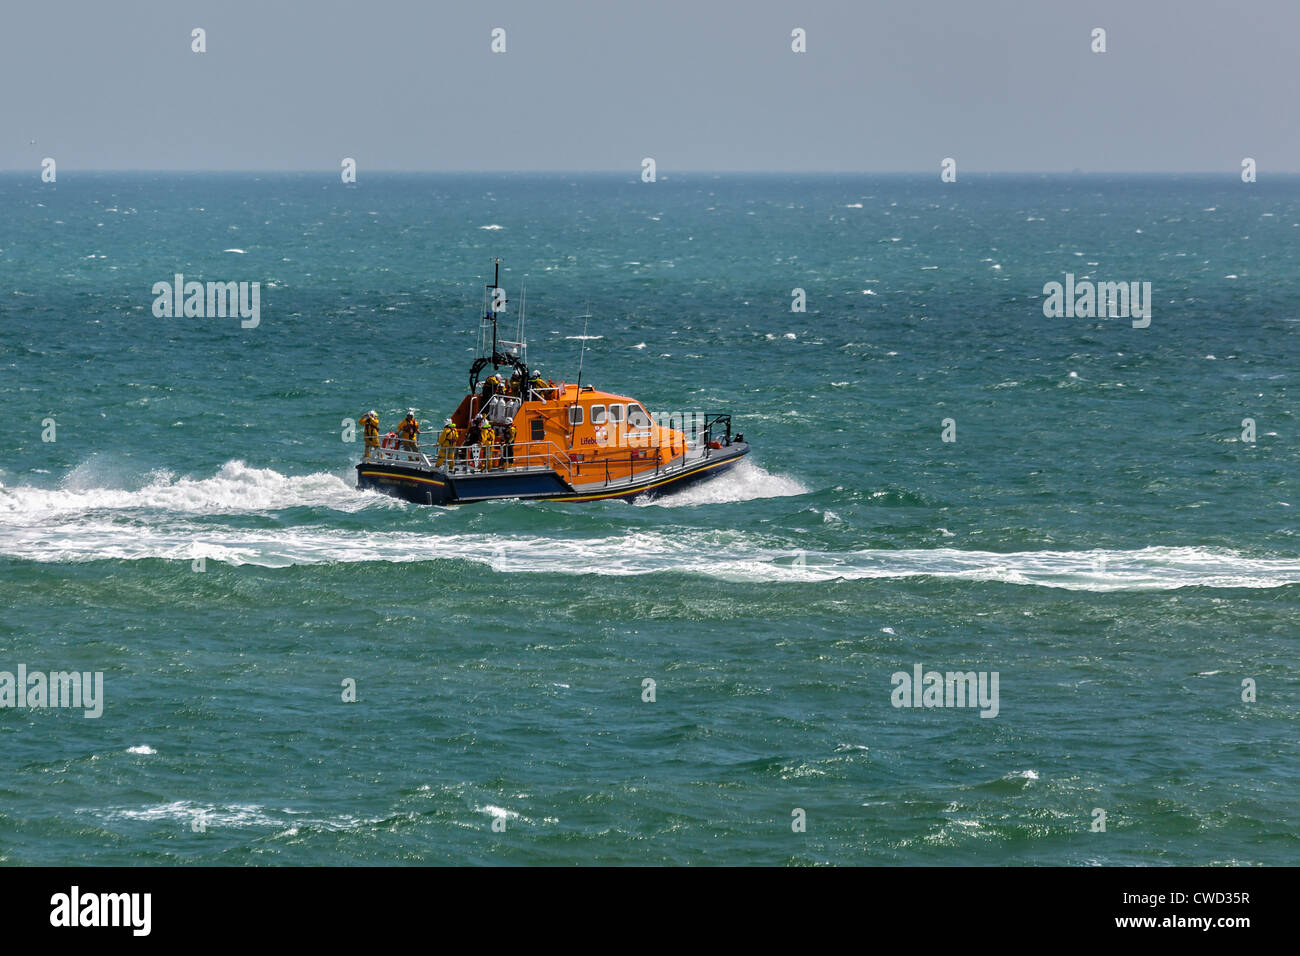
(468, 460)
(523, 456)
(406, 453)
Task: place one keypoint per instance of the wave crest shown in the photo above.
(235, 488)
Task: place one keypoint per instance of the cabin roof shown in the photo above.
(592, 394)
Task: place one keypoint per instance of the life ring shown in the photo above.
(390, 440)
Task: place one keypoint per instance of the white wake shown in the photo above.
(181, 519)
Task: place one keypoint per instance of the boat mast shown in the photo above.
(492, 307)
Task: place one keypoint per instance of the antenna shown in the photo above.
(496, 283)
(582, 351)
(521, 340)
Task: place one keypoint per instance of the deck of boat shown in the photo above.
(415, 476)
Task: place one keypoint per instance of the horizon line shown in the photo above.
(634, 173)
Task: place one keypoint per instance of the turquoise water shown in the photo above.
(1099, 534)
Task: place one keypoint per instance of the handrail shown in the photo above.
(403, 452)
(717, 418)
(464, 457)
(506, 393)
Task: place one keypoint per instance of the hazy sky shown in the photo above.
(885, 85)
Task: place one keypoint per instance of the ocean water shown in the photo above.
(1099, 534)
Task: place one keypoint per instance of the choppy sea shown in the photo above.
(1101, 533)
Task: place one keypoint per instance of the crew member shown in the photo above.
(508, 444)
(485, 446)
(492, 386)
(409, 431)
(447, 441)
(538, 385)
(369, 423)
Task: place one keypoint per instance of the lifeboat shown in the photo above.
(517, 435)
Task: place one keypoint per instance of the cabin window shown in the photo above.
(539, 429)
(598, 414)
(615, 413)
(636, 417)
(575, 414)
